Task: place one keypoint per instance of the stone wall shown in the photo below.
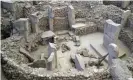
(60, 17)
(60, 11)
(14, 71)
(43, 24)
(126, 35)
(90, 27)
(60, 23)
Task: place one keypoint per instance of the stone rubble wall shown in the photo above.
(43, 24)
(60, 23)
(14, 71)
(89, 28)
(127, 37)
(60, 18)
(130, 21)
(60, 11)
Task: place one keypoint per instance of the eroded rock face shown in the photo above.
(119, 70)
(126, 35)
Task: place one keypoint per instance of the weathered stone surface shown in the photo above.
(113, 53)
(50, 17)
(111, 32)
(47, 37)
(52, 57)
(83, 51)
(71, 15)
(126, 35)
(79, 63)
(9, 5)
(26, 53)
(119, 70)
(130, 21)
(22, 25)
(28, 9)
(39, 21)
(60, 11)
(60, 23)
(82, 28)
(65, 47)
(125, 16)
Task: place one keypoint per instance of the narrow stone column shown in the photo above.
(125, 16)
(50, 16)
(34, 20)
(27, 28)
(111, 32)
(71, 15)
(52, 57)
(113, 53)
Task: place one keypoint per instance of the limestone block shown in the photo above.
(52, 57)
(112, 29)
(113, 53)
(47, 36)
(22, 25)
(26, 53)
(119, 70)
(79, 63)
(71, 15)
(34, 21)
(107, 40)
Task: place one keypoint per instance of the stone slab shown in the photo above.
(47, 34)
(71, 15)
(79, 62)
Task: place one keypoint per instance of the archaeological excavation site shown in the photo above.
(66, 40)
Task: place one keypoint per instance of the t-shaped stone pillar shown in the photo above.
(111, 32)
(113, 53)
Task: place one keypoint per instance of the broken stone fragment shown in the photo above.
(76, 39)
(84, 52)
(65, 47)
(79, 62)
(26, 53)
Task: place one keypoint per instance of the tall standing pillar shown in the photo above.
(113, 53)
(71, 15)
(50, 17)
(34, 21)
(111, 32)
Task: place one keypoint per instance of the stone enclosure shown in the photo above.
(67, 40)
